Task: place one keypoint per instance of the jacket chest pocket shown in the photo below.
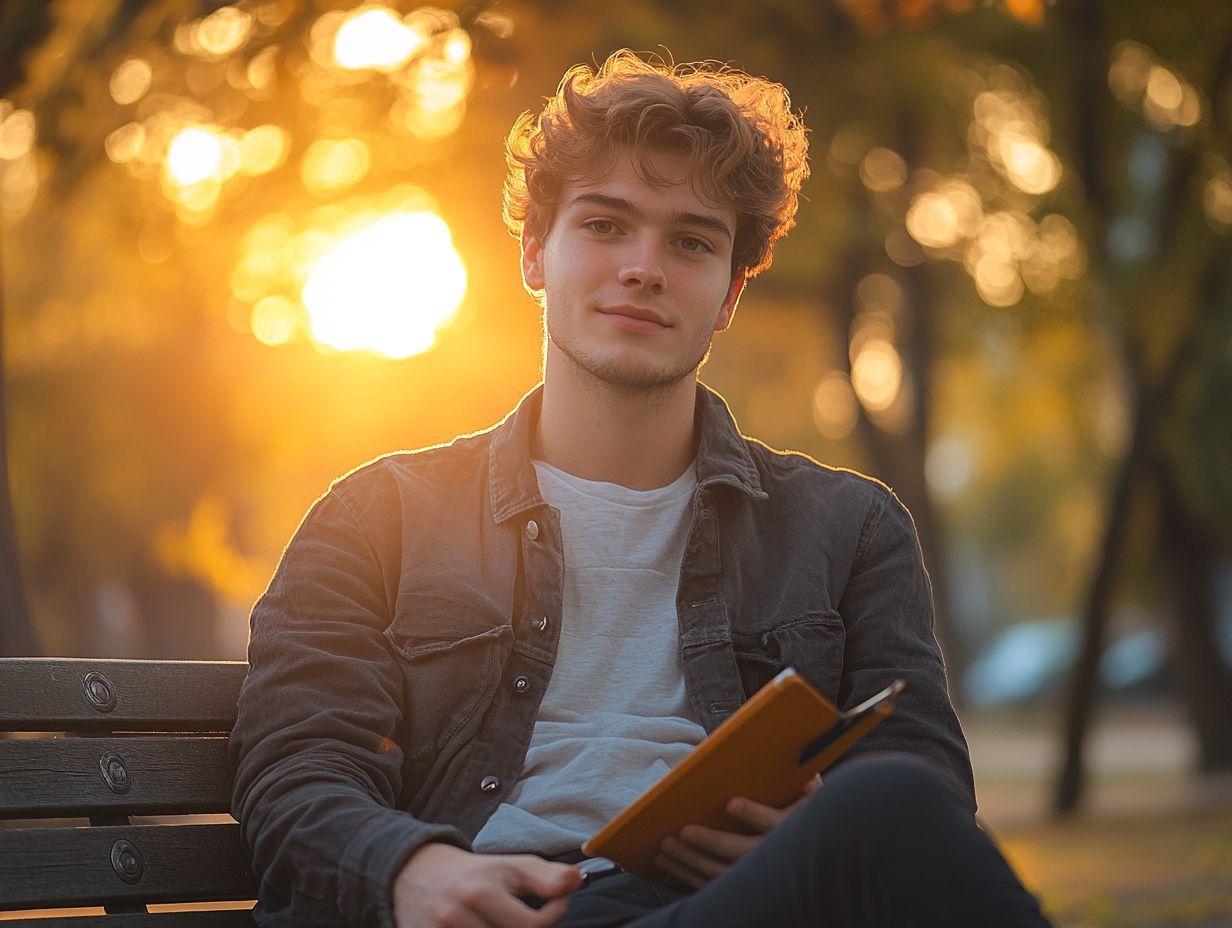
(812, 644)
(452, 658)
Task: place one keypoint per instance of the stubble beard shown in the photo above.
(631, 376)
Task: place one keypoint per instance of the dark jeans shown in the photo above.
(885, 842)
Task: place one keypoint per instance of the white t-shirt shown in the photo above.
(615, 716)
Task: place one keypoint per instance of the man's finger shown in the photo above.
(551, 913)
(810, 787)
(754, 814)
(460, 916)
(530, 875)
(680, 872)
(725, 845)
(500, 909)
(698, 861)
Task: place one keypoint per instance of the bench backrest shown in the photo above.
(104, 741)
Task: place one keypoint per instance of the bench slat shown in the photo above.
(84, 694)
(46, 867)
(72, 777)
(218, 919)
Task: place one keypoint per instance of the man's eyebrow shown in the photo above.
(714, 223)
(620, 205)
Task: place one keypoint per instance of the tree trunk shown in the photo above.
(16, 634)
(1155, 395)
(1084, 681)
(1189, 560)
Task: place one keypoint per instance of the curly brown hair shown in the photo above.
(747, 147)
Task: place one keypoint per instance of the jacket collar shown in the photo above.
(722, 454)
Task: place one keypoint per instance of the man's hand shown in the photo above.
(442, 886)
(698, 854)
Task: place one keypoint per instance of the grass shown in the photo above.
(1144, 872)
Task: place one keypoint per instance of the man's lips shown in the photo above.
(634, 318)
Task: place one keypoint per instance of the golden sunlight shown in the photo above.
(131, 80)
(877, 375)
(1028, 165)
(374, 37)
(834, 406)
(18, 131)
(334, 164)
(933, 221)
(223, 31)
(388, 288)
(195, 154)
(1217, 198)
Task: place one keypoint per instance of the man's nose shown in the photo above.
(642, 265)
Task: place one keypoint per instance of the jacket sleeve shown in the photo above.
(887, 609)
(315, 751)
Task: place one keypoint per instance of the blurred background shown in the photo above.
(245, 248)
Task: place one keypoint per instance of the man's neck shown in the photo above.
(641, 439)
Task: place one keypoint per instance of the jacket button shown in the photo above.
(541, 624)
(521, 684)
(489, 784)
(532, 529)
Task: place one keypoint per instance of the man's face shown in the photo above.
(636, 278)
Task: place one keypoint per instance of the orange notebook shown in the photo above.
(767, 751)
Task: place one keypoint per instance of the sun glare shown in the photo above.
(374, 37)
(194, 155)
(388, 288)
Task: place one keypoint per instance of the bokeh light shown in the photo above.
(1139, 79)
(1030, 166)
(876, 374)
(834, 406)
(948, 466)
(195, 154)
(274, 320)
(125, 143)
(263, 148)
(1217, 200)
(933, 221)
(387, 288)
(883, 170)
(223, 31)
(131, 81)
(997, 280)
(879, 293)
(18, 131)
(848, 146)
(1163, 88)
(334, 164)
(19, 170)
(375, 37)
(262, 68)
(956, 218)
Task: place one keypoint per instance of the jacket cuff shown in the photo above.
(374, 857)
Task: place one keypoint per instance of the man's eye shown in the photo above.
(601, 226)
(692, 243)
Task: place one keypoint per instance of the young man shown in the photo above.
(474, 655)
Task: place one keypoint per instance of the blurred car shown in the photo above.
(1031, 660)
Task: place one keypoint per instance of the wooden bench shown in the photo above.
(102, 742)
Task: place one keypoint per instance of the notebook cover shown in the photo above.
(754, 753)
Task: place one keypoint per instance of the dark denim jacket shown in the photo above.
(399, 656)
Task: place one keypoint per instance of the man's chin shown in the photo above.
(630, 371)
(635, 377)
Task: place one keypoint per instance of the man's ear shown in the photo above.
(728, 309)
(532, 261)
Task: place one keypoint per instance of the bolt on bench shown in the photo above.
(118, 738)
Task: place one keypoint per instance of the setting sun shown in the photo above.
(388, 288)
